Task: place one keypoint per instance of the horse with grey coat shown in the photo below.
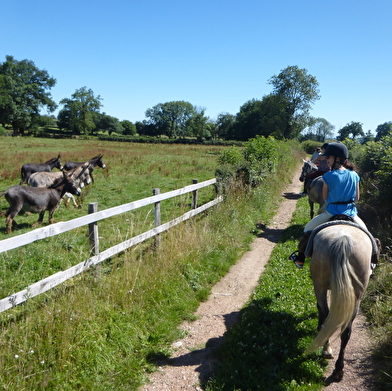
(37, 200)
(80, 175)
(29, 168)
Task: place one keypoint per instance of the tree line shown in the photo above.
(283, 114)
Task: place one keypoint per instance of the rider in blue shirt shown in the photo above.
(340, 191)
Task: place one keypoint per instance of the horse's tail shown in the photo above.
(343, 304)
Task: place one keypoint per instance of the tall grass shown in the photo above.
(100, 330)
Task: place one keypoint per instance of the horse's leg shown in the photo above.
(40, 219)
(9, 222)
(323, 312)
(337, 374)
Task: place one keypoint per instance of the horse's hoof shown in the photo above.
(337, 376)
(333, 378)
(327, 352)
(327, 355)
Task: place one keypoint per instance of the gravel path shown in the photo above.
(192, 361)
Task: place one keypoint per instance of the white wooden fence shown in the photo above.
(91, 219)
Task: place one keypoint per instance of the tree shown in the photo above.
(248, 120)
(261, 117)
(24, 91)
(129, 127)
(369, 136)
(198, 124)
(225, 126)
(78, 112)
(170, 118)
(298, 90)
(354, 129)
(383, 130)
(107, 123)
(319, 129)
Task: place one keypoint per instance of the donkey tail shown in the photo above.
(343, 304)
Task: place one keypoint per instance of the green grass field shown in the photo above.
(74, 335)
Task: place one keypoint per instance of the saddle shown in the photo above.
(338, 220)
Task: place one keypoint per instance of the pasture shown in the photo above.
(101, 330)
(45, 325)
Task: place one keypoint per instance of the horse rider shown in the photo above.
(322, 168)
(340, 191)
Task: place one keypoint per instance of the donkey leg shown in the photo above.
(9, 220)
(8, 223)
(40, 219)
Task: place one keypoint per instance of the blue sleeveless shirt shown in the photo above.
(342, 187)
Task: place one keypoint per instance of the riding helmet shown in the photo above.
(324, 146)
(337, 150)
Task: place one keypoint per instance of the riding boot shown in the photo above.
(298, 257)
(376, 256)
(303, 241)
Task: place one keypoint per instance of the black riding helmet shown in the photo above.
(324, 146)
(337, 150)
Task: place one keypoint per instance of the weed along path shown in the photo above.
(192, 360)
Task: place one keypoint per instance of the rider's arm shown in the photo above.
(325, 191)
(357, 193)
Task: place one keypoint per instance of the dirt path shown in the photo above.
(191, 360)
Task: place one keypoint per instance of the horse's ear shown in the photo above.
(58, 157)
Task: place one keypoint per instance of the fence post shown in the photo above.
(93, 230)
(194, 195)
(157, 217)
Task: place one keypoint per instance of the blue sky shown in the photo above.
(216, 54)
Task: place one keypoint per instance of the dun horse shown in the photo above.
(341, 256)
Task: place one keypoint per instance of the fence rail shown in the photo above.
(91, 220)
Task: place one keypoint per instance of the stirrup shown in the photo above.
(296, 259)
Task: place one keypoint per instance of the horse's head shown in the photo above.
(70, 185)
(58, 163)
(307, 168)
(100, 162)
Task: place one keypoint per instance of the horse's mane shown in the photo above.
(94, 159)
(52, 160)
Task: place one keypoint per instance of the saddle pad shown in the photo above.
(309, 247)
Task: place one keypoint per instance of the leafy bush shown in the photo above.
(4, 131)
(251, 164)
